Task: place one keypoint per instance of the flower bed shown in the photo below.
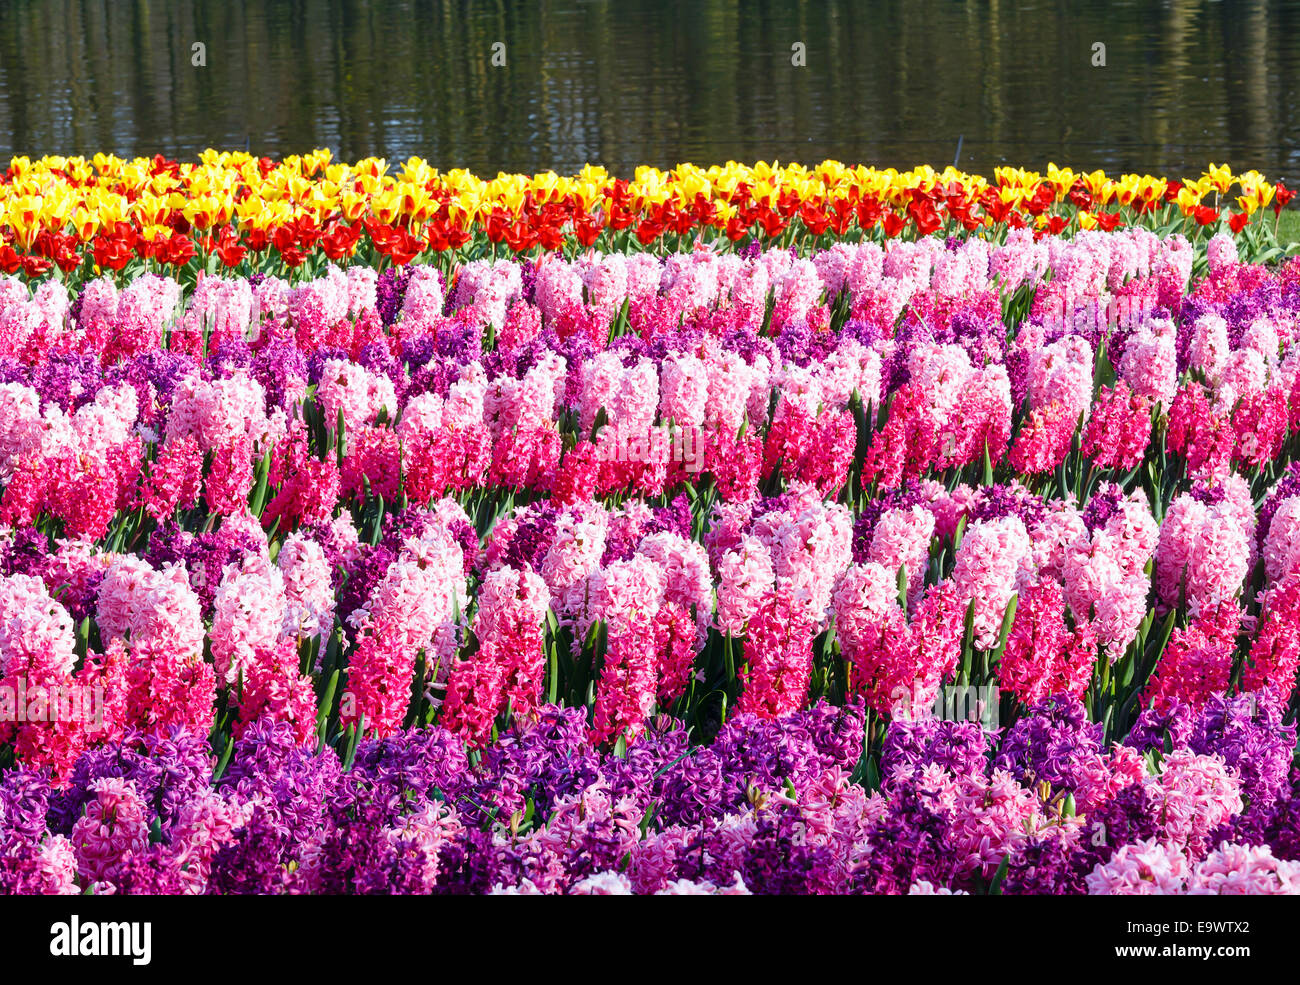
(658, 573)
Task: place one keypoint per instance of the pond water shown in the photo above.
(624, 82)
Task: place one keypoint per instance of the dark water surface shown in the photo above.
(625, 82)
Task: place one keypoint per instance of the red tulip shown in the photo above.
(1281, 196)
(111, 252)
(587, 229)
(1205, 215)
(1109, 221)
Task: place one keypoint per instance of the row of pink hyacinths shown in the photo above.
(500, 430)
(504, 431)
(583, 296)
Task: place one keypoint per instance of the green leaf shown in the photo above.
(968, 643)
(995, 887)
(1008, 619)
(257, 502)
(354, 734)
(342, 440)
(224, 760)
(1104, 373)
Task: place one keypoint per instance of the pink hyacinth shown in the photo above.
(379, 680)
(1101, 775)
(309, 492)
(308, 587)
(1142, 868)
(1209, 346)
(162, 680)
(817, 450)
(990, 818)
(1259, 425)
(373, 462)
(1195, 794)
(51, 869)
(1105, 572)
(36, 660)
(248, 616)
(684, 389)
(992, 559)
(941, 372)
(219, 413)
(112, 830)
(1197, 661)
(423, 301)
(230, 479)
(1044, 439)
(901, 539)
(273, 686)
(1244, 870)
(735, 462)
(1149, 364)
(576, 549)
(907, 444)
(174, 478)
(688, 582)
(1120, 428)
(810, 545)
(1204, 554)
(446, 445)
(1061, 373)
(914, 660)
(867, 614)
(20, 425)
(411, 609)
(1275, 651)
(490, 285)
(627, 595)
(1043, 656)
(1199, 433)
(143, 310)
(745, 576)
(677, 635)
(980, 422)
(508, 668)
(778, 655)
(1052, 536)
(730, 381)
(204, 825)
(1222, 255)
(36, 638)
(350, 389)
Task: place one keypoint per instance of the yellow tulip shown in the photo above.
(1062, 178)
(1220, 178)
(1189, 197)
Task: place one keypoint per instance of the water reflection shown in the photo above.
(624, 82)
